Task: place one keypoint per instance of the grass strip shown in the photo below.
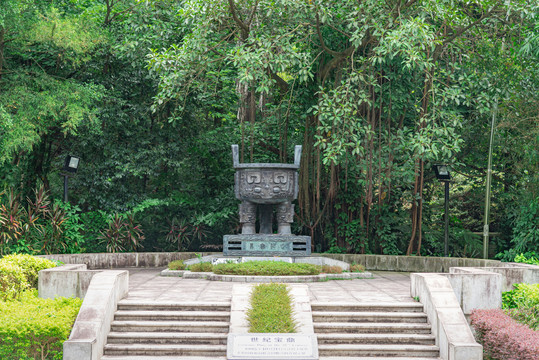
(268, 268)
(271, 310)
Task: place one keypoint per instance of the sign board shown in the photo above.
(272, 347)
(216, 261)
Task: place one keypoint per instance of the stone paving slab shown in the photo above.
(387, 287)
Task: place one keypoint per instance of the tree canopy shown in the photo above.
(151, 94)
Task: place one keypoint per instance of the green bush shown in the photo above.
(267, 268)
(357, 268)
(29, 265)
(522, 304)
(271, 310)
(35, 328)
(176, 265)
(529, 258)
(201, 267)
(13, 281)
(524, 295)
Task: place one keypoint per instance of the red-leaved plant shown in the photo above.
(503, 338)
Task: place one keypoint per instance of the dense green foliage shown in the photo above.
(35, 328)
(31, 327)
(151, 94)
(271, 310)
(522, 304)
(29, 265)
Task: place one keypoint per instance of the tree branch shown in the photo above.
(244, 28)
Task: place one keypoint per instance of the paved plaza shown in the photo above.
(384, 287)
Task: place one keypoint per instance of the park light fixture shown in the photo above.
(443, 174)
(71, 164)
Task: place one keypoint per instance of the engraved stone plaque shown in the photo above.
(272, 347)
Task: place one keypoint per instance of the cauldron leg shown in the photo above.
(266, 219)
(247, 217)
(285, 216)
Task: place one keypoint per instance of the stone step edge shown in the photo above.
(171, 313)
(373, 358)
(169, 323)
(376, 336)
(164, 335)
(128, 302)
(384, 347)
(165, 357)
(382, 305)
(372, 324)
(369, 313)
(164, 347)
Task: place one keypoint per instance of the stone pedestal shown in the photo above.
(266, 245)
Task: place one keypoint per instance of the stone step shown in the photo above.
(147, 315)
(411, 339)
(373, 358)
(369, 316)
(379, 350)
(166, 338)
(385, 307)
(147, 357)
(173, 306)
(170, 326)
(165, 350)
(371, 328)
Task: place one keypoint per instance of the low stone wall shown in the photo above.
(123, 260)
(66, 280)
(411, 263)
(370, 262)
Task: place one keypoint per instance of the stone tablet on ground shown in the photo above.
(272, 347)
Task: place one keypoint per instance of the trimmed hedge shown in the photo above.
(30, 265)
(504, 338)
(36, 328)
(13, 281)
(267, 268)
(176, 265)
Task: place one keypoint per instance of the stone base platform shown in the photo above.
(266, 245)
(315, 260)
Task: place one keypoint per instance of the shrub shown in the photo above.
(327, 269)
(271, 311)
(502, 337)
(13, 281)
(524, 295)
(176, 265)
(29, 265)
(201, 267)
(357, 268)
(267, 268)
(522, 304)
(528, 258)
(35, 328)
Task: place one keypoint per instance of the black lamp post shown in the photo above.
(442, 174)
(71, 165)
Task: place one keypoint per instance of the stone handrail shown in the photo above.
(449, 325)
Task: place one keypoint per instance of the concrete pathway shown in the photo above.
(147, 284)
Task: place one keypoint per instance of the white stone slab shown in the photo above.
(272, 347)
(266, 258)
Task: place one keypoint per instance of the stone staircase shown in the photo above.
(397, 331)
(161, 331)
